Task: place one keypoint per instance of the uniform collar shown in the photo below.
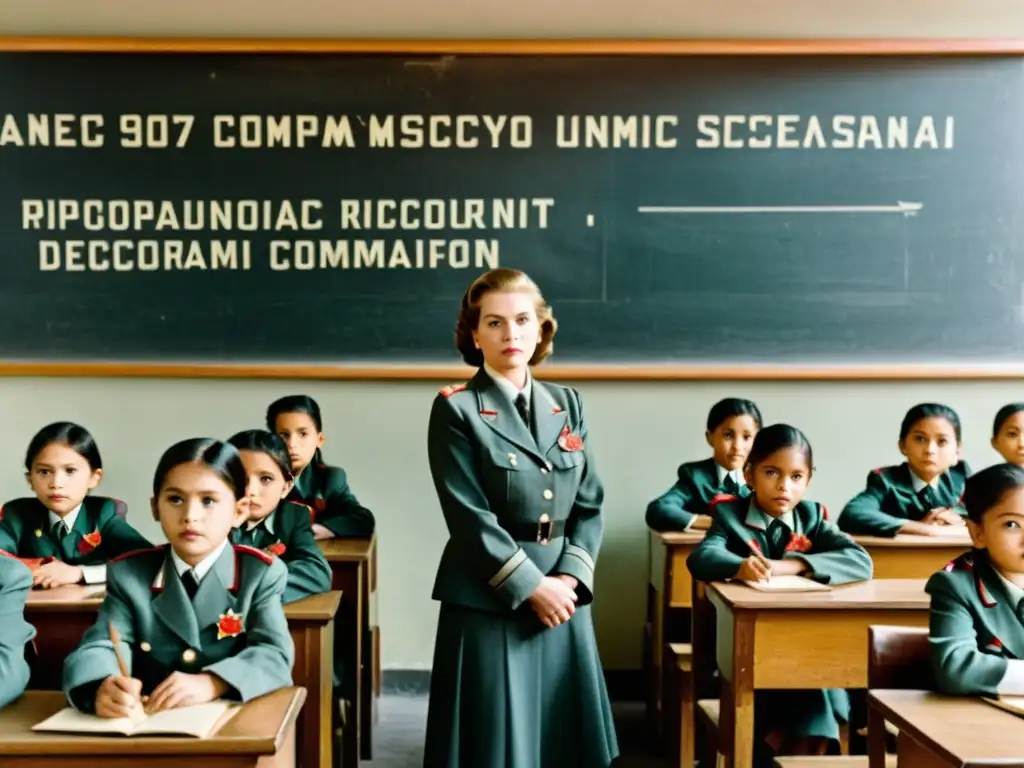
(507, 387)
(920, 484)
(201, 568)
(736, 474)
(758, 519)
(267, 523)
(1015, 593)
(68, 520)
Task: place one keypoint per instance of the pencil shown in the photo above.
(756, 551)
(115, 639)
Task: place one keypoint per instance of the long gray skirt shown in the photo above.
(507, 692)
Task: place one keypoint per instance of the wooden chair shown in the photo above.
(898, 658)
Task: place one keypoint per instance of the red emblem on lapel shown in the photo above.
(89, 542)
(488, 413)
(556, 409)
(568, 441)
(277, 548)
(798, 543)
(230, 625)
(319, 505)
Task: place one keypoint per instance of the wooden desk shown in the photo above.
(62, 615)
(938, 730)
(912, 557)
(669, 600)
(799, 640)
(261, 734)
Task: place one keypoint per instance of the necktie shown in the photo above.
(729, 485)
(524, 409)
(778, 537)
(60, 531)
(188, 580)
(928, 497)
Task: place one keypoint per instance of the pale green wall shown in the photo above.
(377, 431)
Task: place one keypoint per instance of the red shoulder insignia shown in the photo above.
(964, 562)
(451, 389)
(824, 512)
(1, 512)
(259, 553)
(134, 552)
(721, 497)
(878, 470)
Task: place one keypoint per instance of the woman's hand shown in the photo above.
(119, 697)
(554, 601)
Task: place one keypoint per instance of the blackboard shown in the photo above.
(806, 209)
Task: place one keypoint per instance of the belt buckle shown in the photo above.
(544, 530)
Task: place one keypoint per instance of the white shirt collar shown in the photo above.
(756, 514)
(919, 484)
(506, 386)
(201, 568)
(737, 475)
(1015, 593)
(268, 523)
(68, 519)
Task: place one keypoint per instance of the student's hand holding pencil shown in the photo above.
(756, 567)
(119, 695)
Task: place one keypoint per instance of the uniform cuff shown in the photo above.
(516, 579)
(578, 563)
(94, 574)
(1012, 683)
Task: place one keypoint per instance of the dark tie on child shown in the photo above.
(778, 538)
(729, 485)
(191, 584)
(59, 531)
(929, 498)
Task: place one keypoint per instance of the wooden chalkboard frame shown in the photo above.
(568, 47)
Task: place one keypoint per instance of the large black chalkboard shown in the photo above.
(874, 239)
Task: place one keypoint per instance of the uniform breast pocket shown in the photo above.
(567, 461)
(504, 476)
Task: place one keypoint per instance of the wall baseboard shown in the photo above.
(623, 684)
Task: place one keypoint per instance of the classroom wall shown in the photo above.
(377, 431)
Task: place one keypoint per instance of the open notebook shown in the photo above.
(788, 584)
(1014, 704)
(200, 721)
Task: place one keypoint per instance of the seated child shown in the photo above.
(775, 532)
(15, 632)
(198, 619)
(1008, 433)
(732, 425)
(279, 528)
(977, 611)
(72, 533)
(324, 489)
(922, 494)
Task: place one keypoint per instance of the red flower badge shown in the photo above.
(568, 441)
(89, 542)
(277, 548)
(798, 543)
(319, 505)
(230, 625)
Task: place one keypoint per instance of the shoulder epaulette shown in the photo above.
(451, 389)
(824, 511)
(878, 470)
(258, 553)
(721, 498)
(964, 562)
(134, 552)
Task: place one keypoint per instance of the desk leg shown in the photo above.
(910, 754)
(736, 719)
(876, 738)
(350, 578)
(368, 670)
(314, 646)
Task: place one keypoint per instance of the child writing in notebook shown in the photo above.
(977, 611)
(323, 488)
(15, 632)
(196, 619)
(731, 427)
(70, 532)
(776, 532)
(278, 527)
(921, 495)
(1008, 433)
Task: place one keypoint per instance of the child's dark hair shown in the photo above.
(776, 437)
(1003, 414)
(984, 489)
(221, 457)
(77, 438)
(923, 411)
(265, 442)
(729, 407)
(296, 404)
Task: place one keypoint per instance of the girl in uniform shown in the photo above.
(323, 488)
(732, 425)
(65, 534)
(196, 619)
(278, 527)
(921, 495)
(1008, 433)
(517, 680)
(977, 612)
(775, 532)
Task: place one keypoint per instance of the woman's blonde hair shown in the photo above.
(504, 281)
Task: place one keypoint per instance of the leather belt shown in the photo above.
(541, 532)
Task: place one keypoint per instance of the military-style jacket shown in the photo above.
(101, 532)
(696, 485)
(287, 533)
(518, 506)
(889, 500)
(234, 627)
(325, 490)
(976, 631)
(15, 632)
(736, 524)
